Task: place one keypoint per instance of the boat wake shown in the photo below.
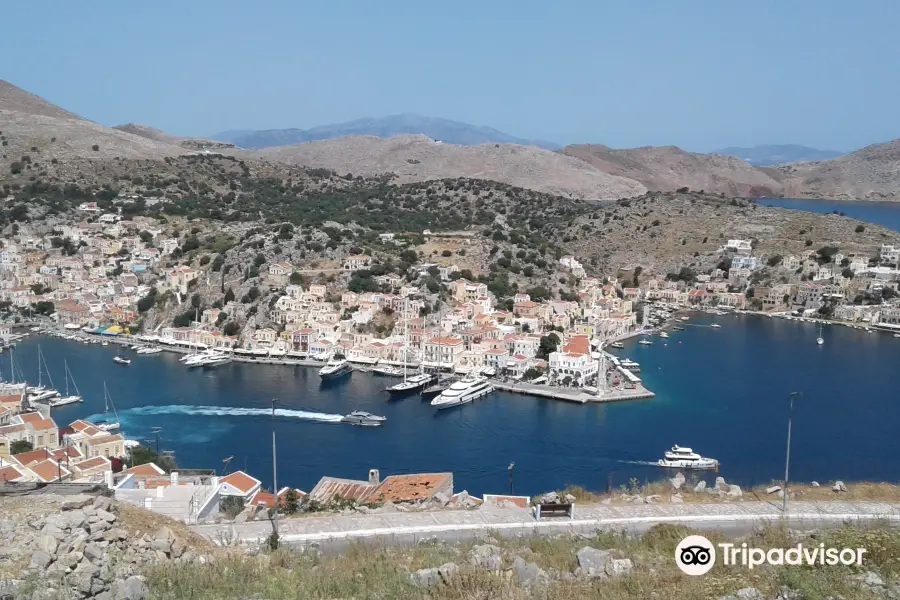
(225, 411)
(645, 463)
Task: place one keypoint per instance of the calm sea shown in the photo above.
(722, 391)
(883, 213)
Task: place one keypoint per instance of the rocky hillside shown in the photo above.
(161, 136)
(664, 232)
(32, 126)
(872, 173)
(68, 547)
(669, 168)
(777, 154)
(418, 158)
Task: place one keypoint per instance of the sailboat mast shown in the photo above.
(405, 336)
(39, 366)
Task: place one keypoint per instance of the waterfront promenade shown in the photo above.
(402, 528)
(574, 394)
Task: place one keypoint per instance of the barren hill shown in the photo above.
(158, 135)
(872, 173)
(419, 158)
(668, 168)
(32, 126)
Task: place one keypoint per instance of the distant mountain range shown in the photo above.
(444, 130)
(778, 154)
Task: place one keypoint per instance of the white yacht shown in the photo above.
(363, 419)
(463, 392)
(108, 426)
(148, 350)
(686, 458)
(645, 342)
(121, 360)
(388, 370)
(820, 340)
(715, 326)
(215, 359)
(616, 345)
(335, 367)
(663, 335)
(199, 359)
(67, 399)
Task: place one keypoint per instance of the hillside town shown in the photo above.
(98, 273)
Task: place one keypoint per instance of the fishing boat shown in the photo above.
(336, 367)
(686, 458)
(462, 392)
(363, 419)
(121, 360)
(820, 340)
(106, 425)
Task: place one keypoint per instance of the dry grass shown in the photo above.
(372, 572)
(862, 491)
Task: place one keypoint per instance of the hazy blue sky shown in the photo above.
(698, 74)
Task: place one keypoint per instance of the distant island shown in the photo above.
(778, 154)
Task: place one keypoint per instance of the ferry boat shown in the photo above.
(363, 419)
(410, 384)
(686, 458)
(645, 342)
(616, 345)
(121, 360)
(388, 370)
(463, 392)
(335, 368)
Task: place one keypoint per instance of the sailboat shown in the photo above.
(820, 340)
(108, 426)
(68, 399)
(409, 384)
(39, 392)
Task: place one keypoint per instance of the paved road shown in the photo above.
(334, 532)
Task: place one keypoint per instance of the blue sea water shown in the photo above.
(886, 214)
(722, 391)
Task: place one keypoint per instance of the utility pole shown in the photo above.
(274, 473)
(155, 431)
(787, 456)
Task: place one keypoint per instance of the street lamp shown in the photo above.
(787, 457)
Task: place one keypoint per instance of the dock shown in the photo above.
(574, 394)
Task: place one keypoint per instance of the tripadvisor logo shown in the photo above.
(696, 555)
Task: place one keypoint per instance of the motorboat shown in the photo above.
(44, 394)
(686, 458)
(121, 360)
(134, 347)
(462, 392)
(104, 343)
(149, 350)
(677, 328)
(215, 359)
(645, 342)
(200, 359)
(820, 340)
(616, 345)
(410, 384)
(335, 368)
(715, 326)
(388, 370)
(438, 387)
(107, 426)
(363, 419)
(663, 335)
(63, 401)
(683, 318)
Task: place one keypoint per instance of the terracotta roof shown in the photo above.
(577, 344)
(92, 463)
(7, 429)
(145, 470)
(10, 473)
(330, 488)
(445, 341)
(42, 424)
(31, 417)
(241, 481)
(49, 470)
(61, 453)
(526, 304)
(11, 398)
(105, 439)
(409, 488)
(32, 456)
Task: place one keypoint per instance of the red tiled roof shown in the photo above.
(409, 488)
(145, 470)
(10, 473)
(241, 481)
(32, 456)
(92, 463)
(49, 470)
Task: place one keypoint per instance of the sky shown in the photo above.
(694, 73)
